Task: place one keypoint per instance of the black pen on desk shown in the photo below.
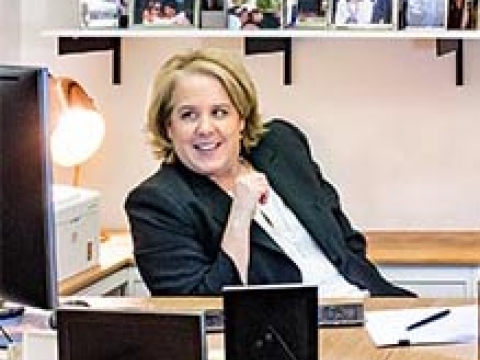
(5, 334)
(428, 319)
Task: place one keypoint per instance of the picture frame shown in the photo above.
(362, 14)
(306, 14)
(271, 322)
(213, 14)
(254, 14)
(102, 13)
(462, 15)
(99, 334)
(180, 14)
(422, 14)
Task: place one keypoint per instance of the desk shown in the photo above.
(334, 343)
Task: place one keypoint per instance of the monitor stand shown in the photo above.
(52, 320)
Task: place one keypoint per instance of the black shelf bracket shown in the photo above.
(253, 45)
(260, 45)
(70, 45)
(446, 46)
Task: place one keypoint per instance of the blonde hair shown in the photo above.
(223, 66)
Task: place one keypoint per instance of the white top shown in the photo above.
(285, 229)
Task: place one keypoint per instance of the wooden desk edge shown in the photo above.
(88, 277)
(424, 247)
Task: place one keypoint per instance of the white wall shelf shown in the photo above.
(220, 33)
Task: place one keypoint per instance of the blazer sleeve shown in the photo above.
(170, 256)
(354, 239)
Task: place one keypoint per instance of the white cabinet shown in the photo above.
(437, 281)
(439, 265)
(445, 281)
(429, 281)
(137, 287)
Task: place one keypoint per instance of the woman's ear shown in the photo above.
(243, 126)
(168, 129)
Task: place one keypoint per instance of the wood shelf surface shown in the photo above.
(424, 247)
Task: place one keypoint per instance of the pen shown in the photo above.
(428, 319)
(5, 334)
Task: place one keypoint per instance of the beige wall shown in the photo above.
(386, 122)
(9, 31)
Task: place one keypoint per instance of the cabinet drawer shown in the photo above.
(434, 281)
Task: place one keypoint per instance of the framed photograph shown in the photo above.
(213, 14)
(305, 14)
(474, 13)
(271, 322)
(362, 14)
(101, 13)
(254, 14)
(96, 334)
(165, 13)
(462, 14)
(422, 14)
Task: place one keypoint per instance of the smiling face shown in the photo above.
(205, 127)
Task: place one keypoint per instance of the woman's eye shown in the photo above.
(188, 115)
(219, 113)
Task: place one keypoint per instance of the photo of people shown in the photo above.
(254, 14)
(462, 14)
(305, 13)
(422, 13)
(351, 13)
(101, 13)
(171, 13)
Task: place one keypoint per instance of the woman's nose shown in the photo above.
(205, 124)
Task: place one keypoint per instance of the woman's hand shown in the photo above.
(249, 189)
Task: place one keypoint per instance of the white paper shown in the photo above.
(388, 327)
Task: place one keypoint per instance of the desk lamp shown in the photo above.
(79, 126)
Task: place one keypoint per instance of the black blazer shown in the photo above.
(177, 218)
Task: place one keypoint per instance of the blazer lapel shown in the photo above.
(218, 204)
(303, 203)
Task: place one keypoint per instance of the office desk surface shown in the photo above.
(334, 343)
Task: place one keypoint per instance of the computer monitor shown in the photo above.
(27, 242)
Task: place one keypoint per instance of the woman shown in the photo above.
(236, 201)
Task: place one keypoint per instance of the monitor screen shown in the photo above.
(27, 243)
